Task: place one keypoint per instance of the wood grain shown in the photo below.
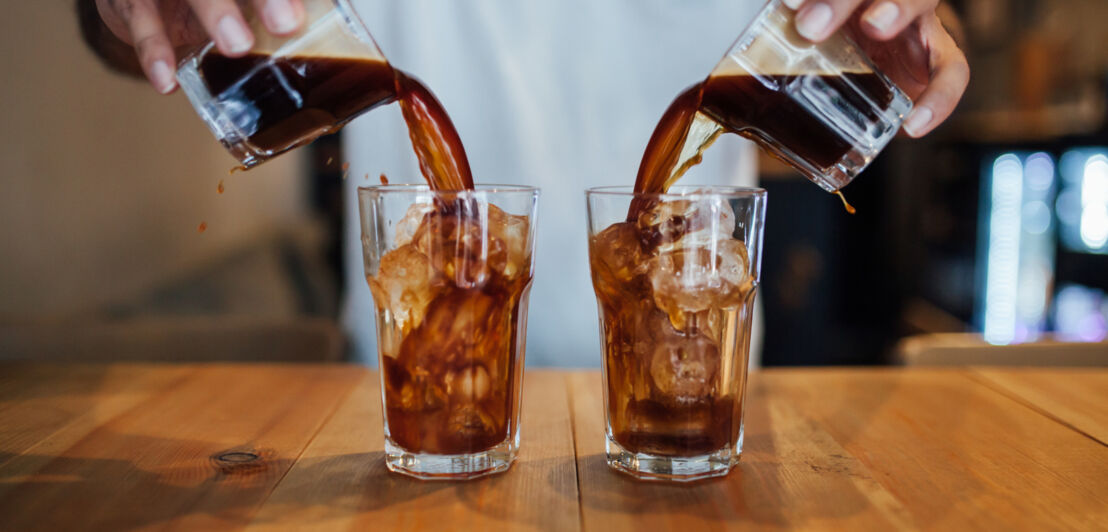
(955, 453)
(341, 483)
(45, 405)
(137, 447)
(153, 466)
(792, 474)
(1076, 397)
(45, 409)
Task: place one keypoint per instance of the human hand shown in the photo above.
(907, 40)
(156, 28)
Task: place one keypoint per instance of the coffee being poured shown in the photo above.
(449, 274)
(290, 90)
(285, 102)
(822, 108)
(676, 279)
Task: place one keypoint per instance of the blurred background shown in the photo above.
(124, 237)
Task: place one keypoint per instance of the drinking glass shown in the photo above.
(825, 108)
(450, 274)
(288, 91)
(675, 288)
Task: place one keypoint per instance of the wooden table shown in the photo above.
(126, 447)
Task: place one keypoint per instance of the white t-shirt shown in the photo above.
(562, 95)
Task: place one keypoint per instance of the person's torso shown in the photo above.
(561, 95)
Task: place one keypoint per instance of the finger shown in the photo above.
(152, 46)
(884, 19)
(818, 19)
(281, 17)
(224, 23)
(949, 78)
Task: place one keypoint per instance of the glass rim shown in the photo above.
(769, 7)
(354, 22)
(680, 192)
(755, 25)
(401, 188)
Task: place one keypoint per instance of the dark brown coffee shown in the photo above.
(450, 304)
(761, 107)
(758, 108)
(652, 427)
(669, 390)
(453, 386)
(667, 387)
(442, 158)
(280, 101)
(290, 97)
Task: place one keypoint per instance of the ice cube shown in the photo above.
(617, 258)
(684, 367)
(701, 219)
(421, 394)
(514, 231)
(468, 384)
(461, 246)
(404, 285)
(461, 327)
(692, 279)
(409, 225)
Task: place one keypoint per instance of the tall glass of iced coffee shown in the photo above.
(675, 282)
(450, 273)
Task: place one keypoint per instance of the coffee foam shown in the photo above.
(765, 62)
(773, 48)
(325, 34)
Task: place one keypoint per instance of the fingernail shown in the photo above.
(162, 76)
(813, 20)
(882, 16)
(235, 35)
(793, 4)
(917, 121)
(281, 15)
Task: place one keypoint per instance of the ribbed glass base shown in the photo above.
(450, 466)
(669, 468)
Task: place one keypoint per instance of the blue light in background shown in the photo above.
(1002, 262)
(1080, 314)
(1094, 203)
(1024, 195)
(1082, 204)
(1019, 247)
